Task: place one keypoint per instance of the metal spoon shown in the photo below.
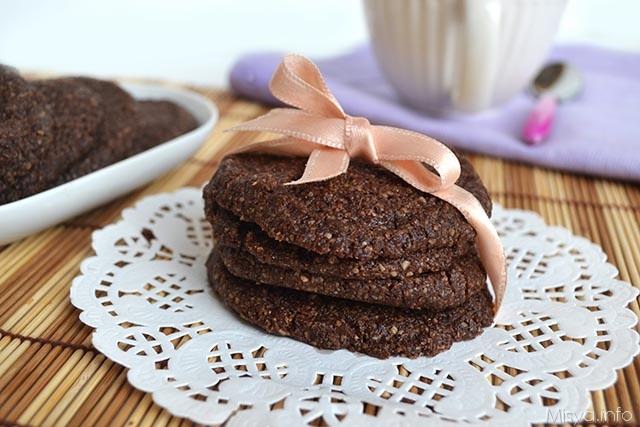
(556, 82)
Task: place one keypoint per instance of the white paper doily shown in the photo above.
(563, 330)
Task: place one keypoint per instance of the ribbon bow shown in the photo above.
(320, 129)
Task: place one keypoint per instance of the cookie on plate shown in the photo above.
(159, 121)
(55, 130)
(116, 130)
(26, 136)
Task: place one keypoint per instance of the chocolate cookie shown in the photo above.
(228, 230)
(115, 132)
(53, 131)
(435, 291)
(78, 115)
(26, 137)
(160, 121)
(365, 213)
(335, 323)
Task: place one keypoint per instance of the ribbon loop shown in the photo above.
(321, 130)
(298, 82)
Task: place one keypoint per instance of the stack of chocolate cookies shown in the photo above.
(56, 130)
(362, 261)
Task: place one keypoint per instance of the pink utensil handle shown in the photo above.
(538, 125)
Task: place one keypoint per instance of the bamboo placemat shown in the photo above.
(50, 374)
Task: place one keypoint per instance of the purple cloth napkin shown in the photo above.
(597, 133)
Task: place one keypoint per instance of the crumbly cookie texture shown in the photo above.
(335, 323)
(362, 214)
(228, 230)
(435, 291)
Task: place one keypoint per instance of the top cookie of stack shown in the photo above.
(406, 259)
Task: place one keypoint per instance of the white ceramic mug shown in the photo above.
(445, 56)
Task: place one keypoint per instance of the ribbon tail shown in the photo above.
(415, 173)
(281, 147)
(323, 164)
(487, 239)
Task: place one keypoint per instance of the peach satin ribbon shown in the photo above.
(321, 130)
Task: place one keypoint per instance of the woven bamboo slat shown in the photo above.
(51, 375)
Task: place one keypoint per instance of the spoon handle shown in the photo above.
(538, 125)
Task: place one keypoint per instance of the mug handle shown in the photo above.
(480, 34)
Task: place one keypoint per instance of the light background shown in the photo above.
(198, 40)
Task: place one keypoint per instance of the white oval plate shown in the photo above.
(29, 215)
